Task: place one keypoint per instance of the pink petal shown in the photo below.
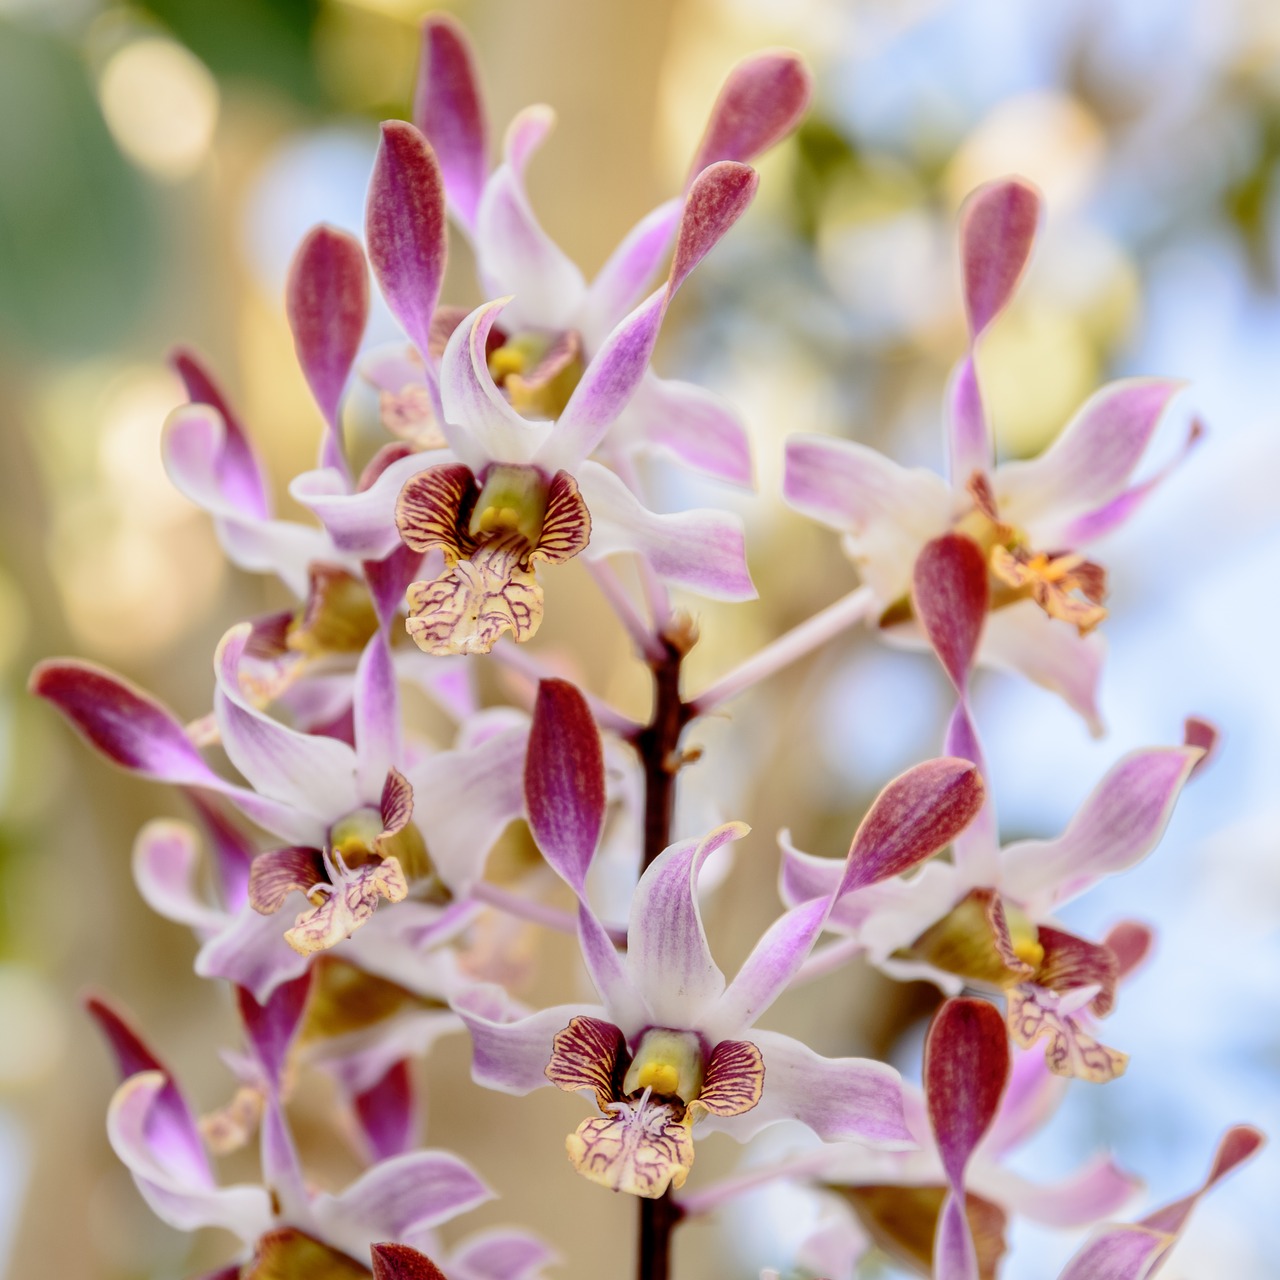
(704, 551)
(1119, 824)
(166, 869)
(954, 1254)
(966, 1069)
(950, 595)
(976, 849)
(239, 473)
(400, 1262)
(405, 228)
(501, 1254)
(1239, 1144)
(378, 728)
(564, 781)
(969, 436)
(761, 102)
(1096, 1191)
(327, 299)
(621, 282)
(997, 230)
(250, 952)
(273, 1024)
(449, 110)
(388, 1113)
(1118, 1253)
(1090, 461)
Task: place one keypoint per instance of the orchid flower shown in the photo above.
(284, 1226)
(521, 491)
(667, 1049)
(556, 324)
(1030, 520)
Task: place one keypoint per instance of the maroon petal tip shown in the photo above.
(400, 1262)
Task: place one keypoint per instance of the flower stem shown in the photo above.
(658, 1219)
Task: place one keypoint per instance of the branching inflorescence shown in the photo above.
(349, 858)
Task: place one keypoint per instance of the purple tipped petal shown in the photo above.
(405, 228)
(997, 230)
(238, 472)
(502, 1255)
(327, 298)
(954, 1255)
(388, 1113)
(378, 729)
(166, 868)
(915, 815)
(969, 436)
(760, 103)
(717, 198)
(976, 849)
(564, 781)
(167, 1186)
(250, 952)
(950, 595)
(667, 950)
(1090, 461)
(1118, 1253)
(966, 1068)
(838, 1098)
(272, 1025)
(704, 551)
(611, 974)
(621, 282)
(1119, 824)
(400, 1262)
(449, 110)
(1240, 1143)
(695, 425)
(1096, 1191)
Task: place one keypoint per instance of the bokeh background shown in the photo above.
(159, 162)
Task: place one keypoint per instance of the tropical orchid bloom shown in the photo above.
(1031, 520)
(1136, 1251)
(987, 916)
(520, 490)
(556, 323)
(668, 1046)
(286, 1227)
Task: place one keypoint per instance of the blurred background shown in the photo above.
(158, 164)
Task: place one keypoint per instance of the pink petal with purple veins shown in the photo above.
(405, 228)
(564, 781)
(166, 867)
(954, 1254)
(479, 422)
(966, 1069)
(886, 512)
(514, 254)
(238, 473)
(704, 551)
(1090, 461)
(168, 1188)
(969, 436)
(950, 596)
(667, 952)
(913, 817)
(612, 975)
(1118, 825)
(327, 299)
(621, 282)
(1240, 1143)
(378, 728)
(281, 1170)
(761, 102)
(838, 1098)
(694, 425)
(314, 774)
(510, 1053)
(232, 850)
(400, 1262)
(1118, 1253)
(272, 1024)
(1022, 637)
(449, 110)
(1096, 1191)
(388, 1113)
(997, 229)
(976, 849)
(1034, 1093)
(501, 1254)
(250, 952)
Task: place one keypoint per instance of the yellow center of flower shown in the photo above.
(513, 499)
(1024, 936)
(353, 836)
(668, 1062)
(538, 371)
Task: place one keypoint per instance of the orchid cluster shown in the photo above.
(336, 871)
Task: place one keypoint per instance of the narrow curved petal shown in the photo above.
(479, 422)
(702, 550)
(272, 1025)
(501, 1254)
(511, 1055)
(837, 1098)
(667, 952)
(1237, 1145)
(172, 1194)
(314, 774)
(1091, 460)
(1118, 1253)
(464, 800)
(970, 449)
(1033, 1095)
(166, 867)
(376, 710)
(388, 1113)
(250, 951)
(997, 229)
(886, 512)
(955, 1256)
(362, 523)
(448, 108)
(238, 471)
(564, 781)
(1023, 638)
(950, 595)
(327, 300)
(1119, 824)
(692, 424)
(621, 282)
(1095, 1191)
(514, 254)
(405, 228)
(760, 103)
(976, 849)
(612, 975)
(400, 1262)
